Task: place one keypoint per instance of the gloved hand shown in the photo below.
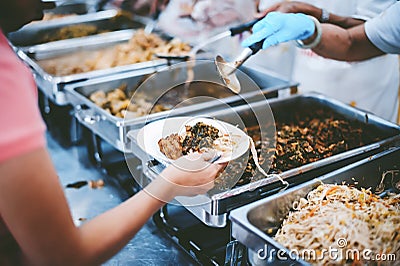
(279, 27)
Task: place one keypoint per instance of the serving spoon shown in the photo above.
(227, 70)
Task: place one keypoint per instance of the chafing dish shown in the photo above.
(53, 86)
(251, 222)
(205, 94)
(380, 134)
(40, 32)
(80, 49)
(72, 7)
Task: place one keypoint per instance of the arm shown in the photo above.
(300, 7)
(346, 45)
(33, 206)
(336, 43)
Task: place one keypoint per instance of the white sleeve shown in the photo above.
(384, 30)
(367, 9)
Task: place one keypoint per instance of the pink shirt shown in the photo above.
(21, 125)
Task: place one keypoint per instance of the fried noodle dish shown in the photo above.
(333, 212)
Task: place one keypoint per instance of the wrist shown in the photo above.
(162, 189)
(324, 18)
(314, 39)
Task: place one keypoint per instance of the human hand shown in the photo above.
(291, 7)
(190, 175)
(278, 27)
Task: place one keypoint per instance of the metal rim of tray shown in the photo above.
(239, 216)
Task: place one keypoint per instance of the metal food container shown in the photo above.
(250, 223)
(30, 37)
(74, 7)
(167, 85)
(79, 50)
(379, 133)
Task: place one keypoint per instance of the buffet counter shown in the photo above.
(102, 79)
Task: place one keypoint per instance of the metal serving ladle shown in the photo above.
(227, 70)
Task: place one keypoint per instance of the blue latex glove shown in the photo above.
(279, 27)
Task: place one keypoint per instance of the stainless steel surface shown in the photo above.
(250, 222)
(214, 212)
(39, 32)
(53, 86)
(149, 247)
(203, 97)
(53, 50)
(206, 42)
(72, 7)
(227, 73)
(227, 69)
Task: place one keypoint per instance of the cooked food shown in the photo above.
(345, 218)
(72, 31)
(117, 102)
(200, 136)
(141, 47)
(171, 146)
(304, 139)
(197, 138)
(312, 141)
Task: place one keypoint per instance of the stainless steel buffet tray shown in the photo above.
(71, 7)
(53, 86)
(204, 95)
(31, 36)
(251, 222)
(215, 211)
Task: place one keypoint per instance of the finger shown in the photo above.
(270, 41)
(272, 8)
(206, 187)
(270, 21)
(222, 166)
(260, 14)
(212, 171)
(258, 36)
(192, 162)
(259, 25)
(209, 155)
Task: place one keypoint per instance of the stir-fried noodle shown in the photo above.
(361, 219)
